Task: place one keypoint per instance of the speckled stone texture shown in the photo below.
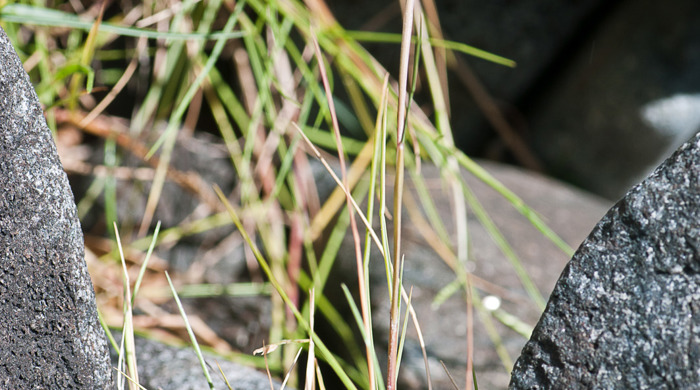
(625, 312)
(50, 337)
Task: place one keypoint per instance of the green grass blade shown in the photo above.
(190, 332)
(373, 36)
(142, 270)
(27, 14)
(330, 358)
(366, 337)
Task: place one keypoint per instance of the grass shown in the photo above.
(265, 78)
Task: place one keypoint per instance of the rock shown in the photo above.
(170, 368)
(624, 313)
(50, 337)
(620, 107)
(569, 212)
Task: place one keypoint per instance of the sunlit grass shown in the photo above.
(267, 78)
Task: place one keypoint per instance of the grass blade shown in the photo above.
(26, 14)
(193, 339)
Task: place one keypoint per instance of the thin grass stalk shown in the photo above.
(128, 346)
(421, 339)
(449, 376)
(435, 30)
(366, 336)
(130, 379)
(321, 383)
(289, 371)
(310, 382)
(221, 371)
(392, 369)
(320, 275)
(414, 82)
(364, 304)
(337, 198)
(190, 332)
(470, 374)
(505, 247)
(108, 333)
(385, 37)
(340, 184)
(328, 258)
(383, 185)
(458, 197)
(142, 271)
(155, 96)
(378, 160)
(516, 202)
(330, 358)
(267, 366)
(402, 337)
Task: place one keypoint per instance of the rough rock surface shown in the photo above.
(50, 337)
(170, 368)
(624, 313)
(570, 212)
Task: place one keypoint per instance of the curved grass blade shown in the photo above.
(39, 16)
(195, 344)
(382, 37)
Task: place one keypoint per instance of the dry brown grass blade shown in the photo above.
(221, 371)
(321, 383)
(290, 372)
(267, 366)
(452, 380)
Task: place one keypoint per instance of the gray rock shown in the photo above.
(50, 337)
(624, 313)
(568, 211)
(165, 367)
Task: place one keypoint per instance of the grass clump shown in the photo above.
(140, 81)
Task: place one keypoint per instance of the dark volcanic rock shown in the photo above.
(49, 334)
(624, 313)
